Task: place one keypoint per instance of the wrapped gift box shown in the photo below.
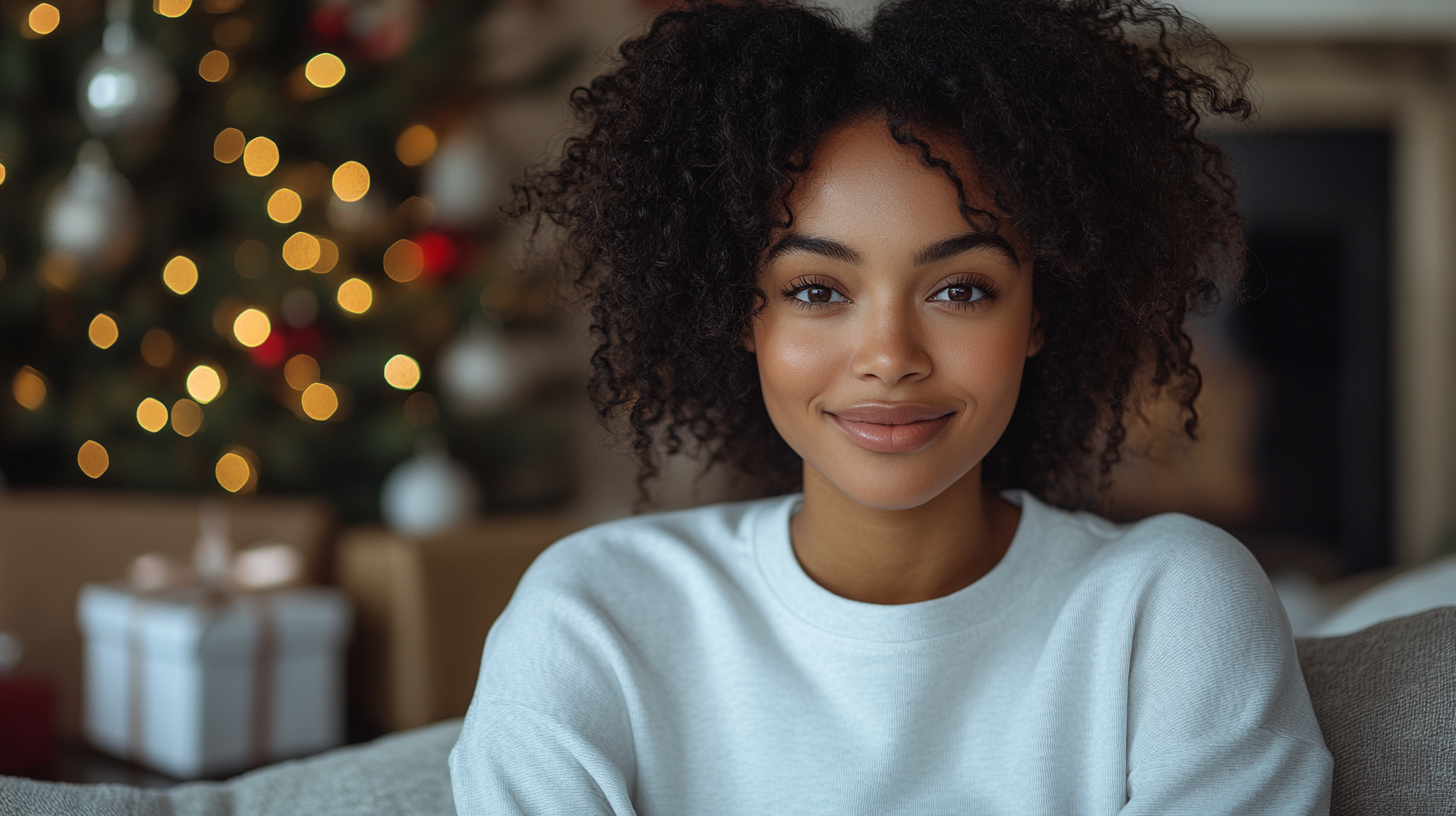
(53, 541)
(196, 683)
(27, 726)
(424, 606)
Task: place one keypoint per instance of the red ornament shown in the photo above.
(271, 352)
(440, 253)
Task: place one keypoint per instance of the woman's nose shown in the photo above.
(890, 348)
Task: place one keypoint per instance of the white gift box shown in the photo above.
(198, 684)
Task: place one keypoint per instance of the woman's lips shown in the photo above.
(892, 428)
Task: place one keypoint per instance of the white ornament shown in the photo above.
(126, 85)
(428, 493)
(91, 217)
(478, 371)
(460, 179)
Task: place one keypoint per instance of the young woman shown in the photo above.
(917, 280)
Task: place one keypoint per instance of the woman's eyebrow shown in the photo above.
(827, 247)
(951, 247)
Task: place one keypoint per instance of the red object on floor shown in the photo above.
(27, 727)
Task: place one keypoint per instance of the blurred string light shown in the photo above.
(232, 34)
(186, 417)
(228, 146)
(204, 384)
(402, 372)
(103, 331)
(355, 296)
(252, 327)
(251, 258)
(2, 174)
(43, 19)
(328, 256)
(320, 401)
(171, 8)
(151, 414)
(351, 181)
(237, 470)
(93, 459)
(157, 347)
(180, 274)
(221, 6)
(214, 66)
(260, 156)
(284, 205)
(300, 372)
(28, 388)
(416, 145)
(324, 70)
(301, 251)
(404, 260)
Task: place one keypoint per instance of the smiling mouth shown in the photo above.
(901, 428)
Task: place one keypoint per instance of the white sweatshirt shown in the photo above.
(684, 664)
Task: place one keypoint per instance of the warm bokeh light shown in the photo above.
(301, 371)
(221, 6)
(2, 174)
(204, 384)
(103, 331)
(404, 260)
(284, 205)
(260, 157)
(301, 251)
(152, 415)
(180, 274)
(59, 271)
(186, 417)
(416, 145)
(172, 8)
(232, 34)
(319, 401)
(324, 70)
(43, 19)
(252, 327)
(93, 459)
(251, 258)
(351, 181)
(228, 146)
(355, 296)
(421, 410)
(29, 388)
(157, 347)
(214, 66)
(234, 471)
(328, 256)
(402, 372)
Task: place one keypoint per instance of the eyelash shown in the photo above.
(988, 291)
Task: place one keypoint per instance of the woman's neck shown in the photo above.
(901, 556)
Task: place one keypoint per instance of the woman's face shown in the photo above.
(891, 346)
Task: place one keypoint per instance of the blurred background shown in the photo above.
(251, 257)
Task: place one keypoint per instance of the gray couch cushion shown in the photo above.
(399, 774)
(1385, 698)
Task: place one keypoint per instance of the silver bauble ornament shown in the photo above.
(429, 493)
(477, 371)
(460, 180)
(126, 85)
(92, 217)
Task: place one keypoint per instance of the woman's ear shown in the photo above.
(1038, 337)
(747, 338)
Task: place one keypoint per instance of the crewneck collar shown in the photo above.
(963, 609)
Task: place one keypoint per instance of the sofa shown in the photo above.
(1385, 697)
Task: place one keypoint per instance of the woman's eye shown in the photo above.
(818, 294)
(959, 293)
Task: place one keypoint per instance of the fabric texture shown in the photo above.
(1386, 701)
(399, 774)
(685, 663)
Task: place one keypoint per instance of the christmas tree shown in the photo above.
(244, 244)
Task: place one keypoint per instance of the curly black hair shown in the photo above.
(1081, 117)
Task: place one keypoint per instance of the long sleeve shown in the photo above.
(1219, 718)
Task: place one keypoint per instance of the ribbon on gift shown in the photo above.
(217, 578)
